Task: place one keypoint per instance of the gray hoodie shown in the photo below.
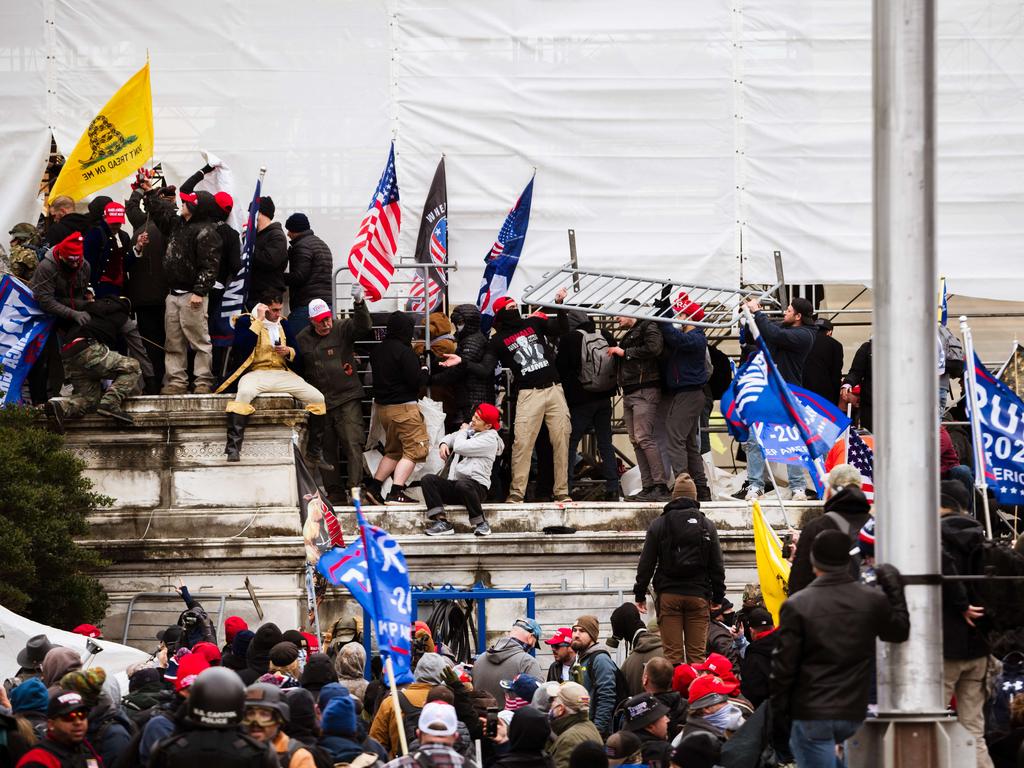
(475, 453)
(503, 661)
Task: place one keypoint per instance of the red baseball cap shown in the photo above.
(191, 199)
(716, 664)
(707, 690)
(113, 213)
(501, 303)
(562, 636)
(311, 642)
(88, 630)
(224, 201)
(490, 414)
(682, 677)
(208, 651)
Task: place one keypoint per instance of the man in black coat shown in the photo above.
(682, 554)
(756, 666)
(859, 375)
(846, 510)
(823, 369)
(397, 378)
(820, 677)
(65, 221)
(310, 270)
(964, 648)
(270, 252)
(472, 381)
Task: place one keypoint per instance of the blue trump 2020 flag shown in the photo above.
(500, 263)
(373, 569)
(793, 425)
(1001, 417)
(24, 328)
(236, 292)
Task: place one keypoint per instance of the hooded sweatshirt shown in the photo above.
(852, 506)
(350, 664)
(30, 700)
(646, 646)
(192, 258)
(257, 658)
(397, 374)
(428, 673)
(528, 735)
(520, 345)
(58, 662)
(475, 453)
(473, 382)
(503, 661)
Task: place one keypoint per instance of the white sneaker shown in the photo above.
(754, 493)
(785, 494)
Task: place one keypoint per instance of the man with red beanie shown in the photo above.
(469, 455)
(60, 281)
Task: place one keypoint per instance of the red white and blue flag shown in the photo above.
(372, 258)
(860, 455)
(501, 261)
(432, 246)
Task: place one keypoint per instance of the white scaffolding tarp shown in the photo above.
(671, 135)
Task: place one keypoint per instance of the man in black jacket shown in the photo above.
(310, 267)
(588, 408)
(846, 509)
(964, 648)
(639, 377)
(521, 345)
(820, 676)
(327, 351)
(859, 375)
(472, 382)
(190, 267)
(270, 252)
(682, 553)
(823, 369)
(397, 378)
(789, 344)
(64, 221)
(756, 666)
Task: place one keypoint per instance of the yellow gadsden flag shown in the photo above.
(772, 569)
(118, 140)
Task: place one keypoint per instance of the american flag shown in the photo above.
(371, 260)
(438, 254)
(861, 456)
(500, 262)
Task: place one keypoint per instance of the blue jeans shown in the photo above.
(813, 742)
(756, 467)
(599, 415)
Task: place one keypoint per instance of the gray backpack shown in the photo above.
(597, 367)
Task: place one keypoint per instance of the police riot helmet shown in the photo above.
(216, 699)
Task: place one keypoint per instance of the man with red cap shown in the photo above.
(711, 708)
(190, 266)
(469, 456)
(565, 657)
(109, 253)
(328, 353)
(522, 346)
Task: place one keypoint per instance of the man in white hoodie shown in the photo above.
(469, 455)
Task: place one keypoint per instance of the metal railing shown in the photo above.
(142, 633)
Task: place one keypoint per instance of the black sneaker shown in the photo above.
(440, 528)
(482, 529)
(55, 415)
(810, 494)
(612, 496)
(115, 412)
(399, 497)
(372, 496)
(659, 492)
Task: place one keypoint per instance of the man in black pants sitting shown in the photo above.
(470, 452)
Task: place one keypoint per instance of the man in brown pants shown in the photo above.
(682, 554)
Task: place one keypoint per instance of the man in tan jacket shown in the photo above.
(428, 673)
(266, 370)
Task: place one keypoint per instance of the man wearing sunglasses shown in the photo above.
(64, 744)
(507, 658)
(266, 712)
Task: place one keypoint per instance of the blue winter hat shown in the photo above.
(339, 719)
(330, 692)
(240, 645)
(297, 222)
(30, 696)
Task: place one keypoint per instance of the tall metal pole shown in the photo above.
(905, 355)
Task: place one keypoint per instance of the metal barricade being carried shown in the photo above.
(715, 309)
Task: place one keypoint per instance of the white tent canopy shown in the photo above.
(15, 631)
(672, 136)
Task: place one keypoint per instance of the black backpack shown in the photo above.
(685, 549)
(223, 748)
(320, 757)
(410, 715)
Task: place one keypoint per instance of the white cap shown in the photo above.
(438, 719)
(318, 309)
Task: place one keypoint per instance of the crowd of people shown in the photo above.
(706, 683)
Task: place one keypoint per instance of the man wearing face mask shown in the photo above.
(711, 711)
(521, 345)
(722, 633)
(60, 281)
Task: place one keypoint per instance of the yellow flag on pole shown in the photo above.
(772, 568)
(118, 140)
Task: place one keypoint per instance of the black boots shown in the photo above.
(315, 443)
(236, 432)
